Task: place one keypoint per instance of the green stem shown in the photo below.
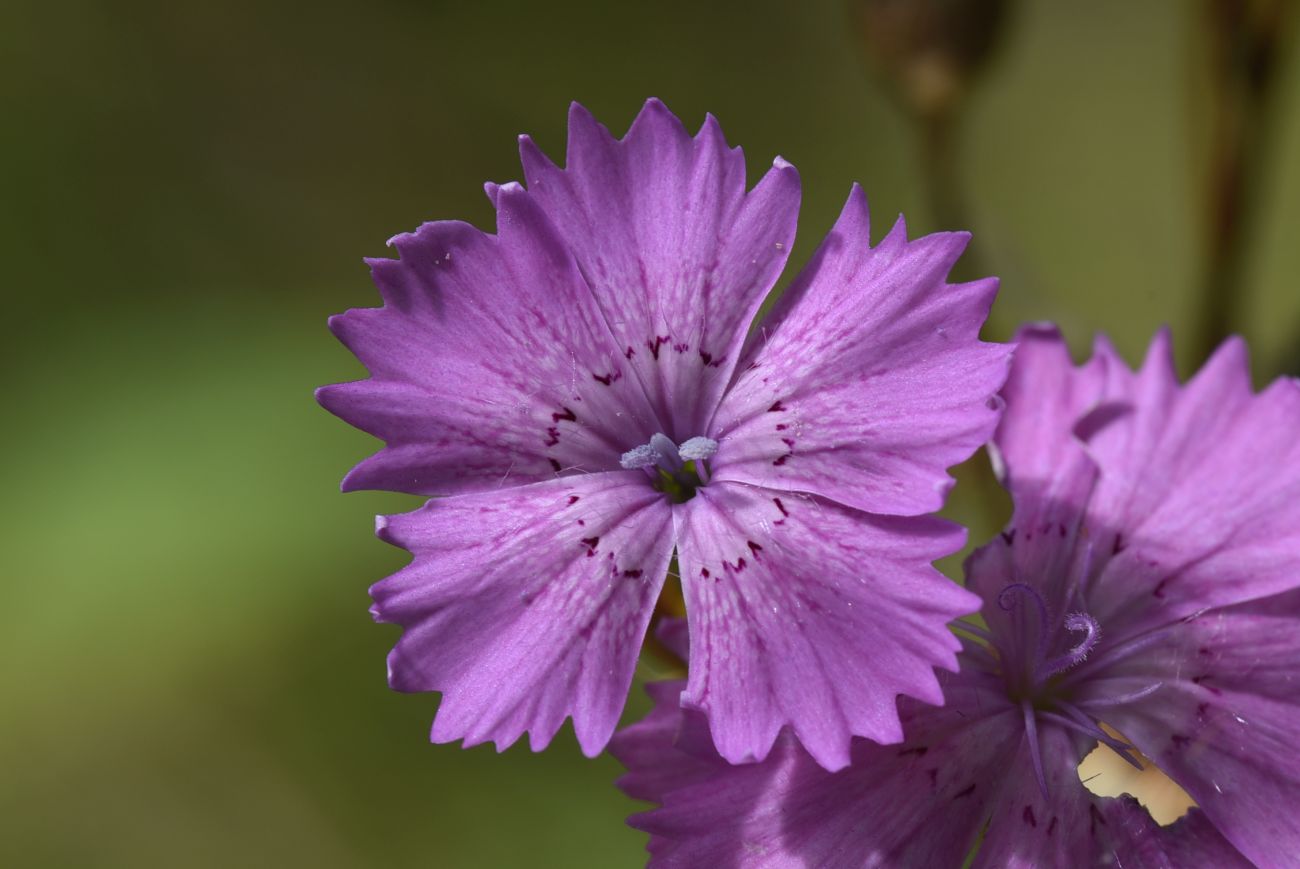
(1244, 51)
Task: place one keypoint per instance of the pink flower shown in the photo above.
(580, 390)
(1150, 580)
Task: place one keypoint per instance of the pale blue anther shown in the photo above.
(697, 448)
(663, 452)
(644, 456)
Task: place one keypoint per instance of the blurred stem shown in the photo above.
(947, 200)
(946, 196)
(1244, 41)
(938, 134)
(929, 54)
(944, 191)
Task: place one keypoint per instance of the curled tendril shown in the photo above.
(1079, 623)
(1010, 597)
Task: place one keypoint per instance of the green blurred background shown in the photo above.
(189, 675)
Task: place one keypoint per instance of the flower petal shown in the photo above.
(1137, 842)
(652, 750)
(1203, 482)
(807, 613)
(678, 255)
(964, 767)
(1226, 721)
(491, 365)
(919, 804)
(528, 605)
(1071, 827)
(1041, 457)
(870, 380)
(1142, 500)
(1025, 830)
(1046, 396)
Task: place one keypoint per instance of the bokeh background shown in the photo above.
(188, 675)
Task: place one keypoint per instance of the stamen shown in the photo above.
(1035, 756)
(659, 451)
(1120, 699)
(1078, 623)
(1008, 603)
(663, 452)
(696, 448)
(1085, 570)
(1120, 748)
(1113, 655)
(1084, 719)
(643, 456)
(675, 471)
(1007, 600)
(1033, 682)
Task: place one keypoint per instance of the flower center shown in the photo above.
(1037, 667)
(677, 471)
(1042, 684)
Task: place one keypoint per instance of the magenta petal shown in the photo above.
(807, 613)
(490, 363)
(1074, 828)
(1027, 831)
(652, 752)
(918, 804)
(1040, 453)
(870, 380)
(1041, 457)
(527, 605)
(678, 255)
(1137, 842)
(1204, 482)
(1046, 396)
(1187, 497)
(963, 768)
(1226, 722)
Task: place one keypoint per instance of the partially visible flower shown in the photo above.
(1149, 580)
(580, 388)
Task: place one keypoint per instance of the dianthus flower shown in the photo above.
(1149, 581)
(580, 390)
